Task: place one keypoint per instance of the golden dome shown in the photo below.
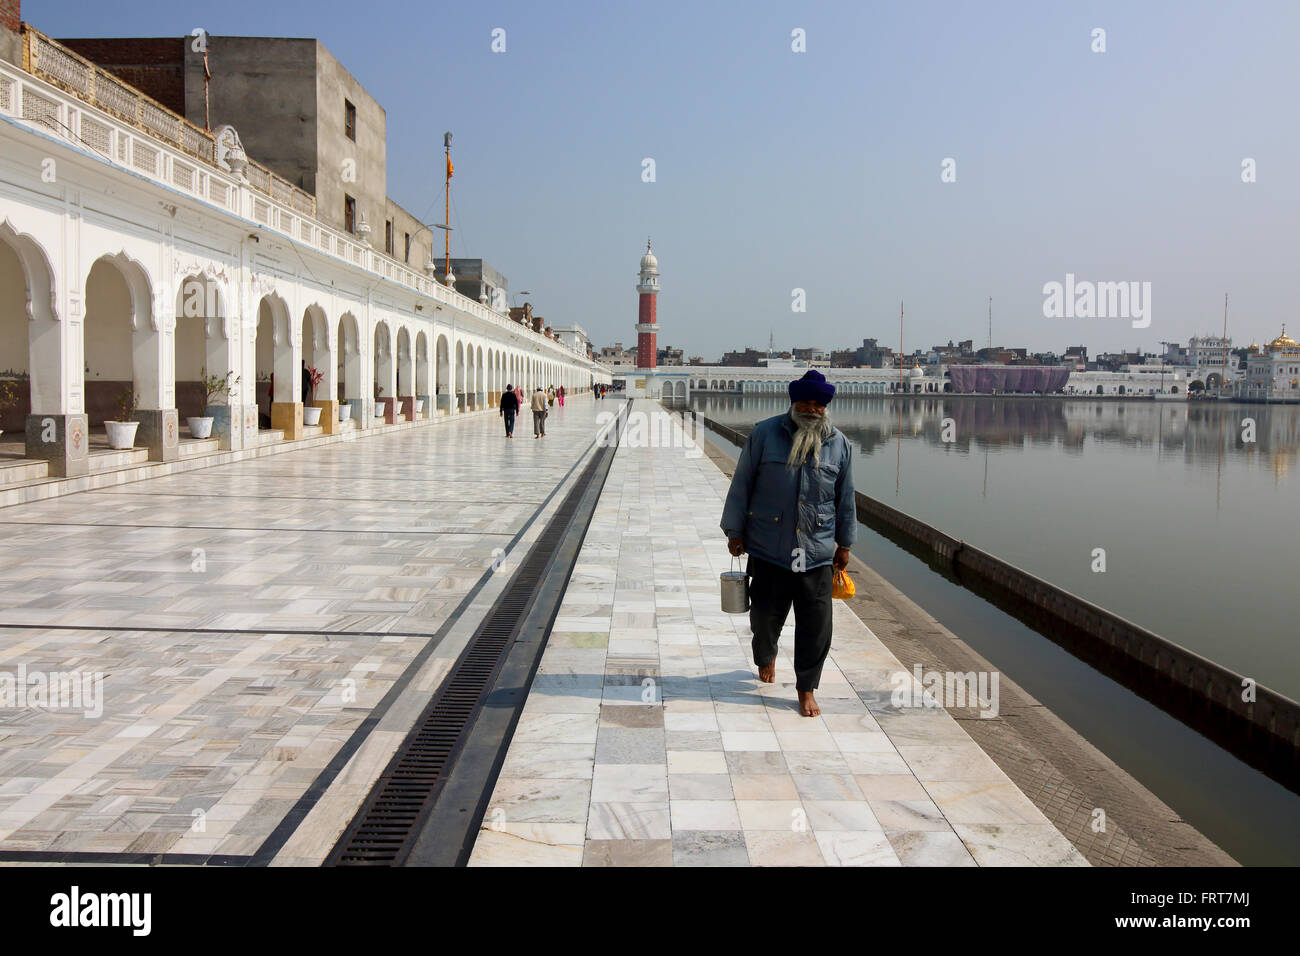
(1283, 341)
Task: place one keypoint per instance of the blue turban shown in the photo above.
(813, 387)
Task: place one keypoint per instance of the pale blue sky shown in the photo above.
(821, 170)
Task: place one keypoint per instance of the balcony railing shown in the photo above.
(75, 100)
(56, 64)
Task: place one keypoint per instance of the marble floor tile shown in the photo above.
(1012, 845)
(697, 761)
(929, 848)
(775, 848)
(982, 802)
(709, 848)
(628, 853)
(700, 786)
(629, 783)
(786, 815)
(847, 848)
(629, 821)
(704, 815)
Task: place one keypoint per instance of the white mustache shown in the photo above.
(810, 432)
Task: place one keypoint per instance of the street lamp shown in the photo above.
(431, 266)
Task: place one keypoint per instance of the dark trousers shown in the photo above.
(772, 591)
(509, 414)
(539, 423)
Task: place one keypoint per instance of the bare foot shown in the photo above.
(808, 704)
(767, 673)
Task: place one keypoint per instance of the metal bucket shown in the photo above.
(735, 592)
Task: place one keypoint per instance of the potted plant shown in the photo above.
(419, 406)
(379, 408)
(214, 387)
(311, 413)
(121, 433)
(8, 398)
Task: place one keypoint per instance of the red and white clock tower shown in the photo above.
(647, 326)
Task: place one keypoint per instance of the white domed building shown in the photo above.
(1273, 373)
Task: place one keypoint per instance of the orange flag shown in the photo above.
(449, 165)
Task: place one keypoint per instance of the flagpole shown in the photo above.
(446, 142)
(207, 76)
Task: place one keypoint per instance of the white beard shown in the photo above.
(811, 431)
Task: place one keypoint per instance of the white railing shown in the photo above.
(36, 101)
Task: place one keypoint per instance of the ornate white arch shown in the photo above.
(36, 271)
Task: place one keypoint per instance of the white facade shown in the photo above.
(1274, 372)
(142, 262)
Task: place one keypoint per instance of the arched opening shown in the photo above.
(480, 389)
(316, 357)
(405, 374)
(121, 349)
(279, 384)
(422, 376)
(442, 381)
(201, 359)
(460, 376)
(31, 373)
(384, 373)
(348, 370)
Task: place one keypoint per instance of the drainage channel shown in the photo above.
(458, 744)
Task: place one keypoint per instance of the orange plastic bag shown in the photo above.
(842, 585)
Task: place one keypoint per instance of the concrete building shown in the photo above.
(617, 357)
(296, 108)
(479, 281)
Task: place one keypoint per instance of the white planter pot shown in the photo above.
(311, 414)
(419, 405)
(200, 427)
(345, 412)
(121, 434)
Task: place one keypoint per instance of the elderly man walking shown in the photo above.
(538, 405)
(791, 508)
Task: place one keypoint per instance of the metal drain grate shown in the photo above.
(388, 822)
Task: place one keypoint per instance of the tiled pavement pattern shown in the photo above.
(648, 740)
(230, 608)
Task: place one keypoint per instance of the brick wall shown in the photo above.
(153, 65)
(11, 14)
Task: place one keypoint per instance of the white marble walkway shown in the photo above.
(648, 740)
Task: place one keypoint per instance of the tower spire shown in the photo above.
(647, 327)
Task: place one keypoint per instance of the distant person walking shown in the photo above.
(791, 507)
(519, 394)
(538, 405)
(509, 408)
(559, 395)
(306, 382)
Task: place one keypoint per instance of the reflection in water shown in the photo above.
(1199, 524)
(1200, 433)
